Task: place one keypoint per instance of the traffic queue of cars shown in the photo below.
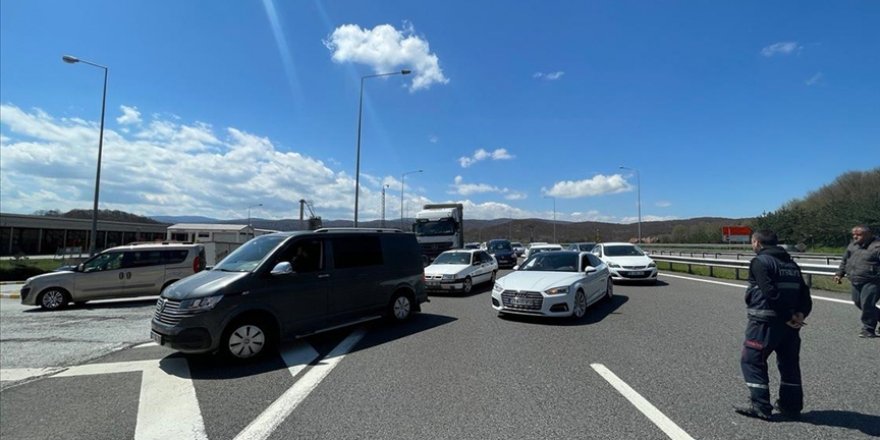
(245, 305)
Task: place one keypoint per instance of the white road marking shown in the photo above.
(16, 374)
(823, 298)
(146, 344)
(267, 422)
(167, 394)
(664, 423)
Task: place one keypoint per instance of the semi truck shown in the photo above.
(439, 227)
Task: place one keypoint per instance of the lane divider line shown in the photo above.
(823, 298)
(650, 411)
(267, 422)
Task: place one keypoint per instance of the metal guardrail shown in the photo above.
(807, 269)
(747, 255)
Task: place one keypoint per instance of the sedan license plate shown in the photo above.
(517, 301)
(637, 273)
(157, 338)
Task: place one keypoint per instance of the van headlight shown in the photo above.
(200, 304)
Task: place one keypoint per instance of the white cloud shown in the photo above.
(663, 204)
(781, 48)
(596, 186)
(548, 76)
(433, 139)
(481, 154)
(815, 79)
(465, 189)
(386, 49)
(646, 218)
(165, 168)
(130, 115)
(516, 196)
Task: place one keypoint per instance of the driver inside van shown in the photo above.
(306, 257)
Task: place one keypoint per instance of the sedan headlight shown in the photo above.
(557, 291)
(448, 276)
(614, 265)
(653, 264)
(200, 304)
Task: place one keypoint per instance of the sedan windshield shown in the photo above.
(248, 256)
(453, 258)
(623, 251)
(552, 262)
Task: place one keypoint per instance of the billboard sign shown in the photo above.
(736, 234)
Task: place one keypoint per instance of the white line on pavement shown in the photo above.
(16, 374)
(167, 393)
(664, 423)
(267, 422)
(823, 298)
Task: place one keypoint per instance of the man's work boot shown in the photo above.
(787, 413)
(751, 411)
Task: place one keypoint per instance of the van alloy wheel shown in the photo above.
(401, 307)
(580, 305)
(246, 341)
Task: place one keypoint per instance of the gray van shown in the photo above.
(289, 284)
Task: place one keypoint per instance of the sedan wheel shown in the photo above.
(468, 285)
(246, 341)
(53, 299)
(609, 291)
(580, 305)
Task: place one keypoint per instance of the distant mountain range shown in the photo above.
(703, 229)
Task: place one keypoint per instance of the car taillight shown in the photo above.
(197, 264)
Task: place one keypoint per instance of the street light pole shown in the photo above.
(402, 181)
(357, 172)
(94, 236)
(639, 195)
(249, 212)
(554, 216)
(384, 187)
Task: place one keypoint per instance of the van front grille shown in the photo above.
(168, 312)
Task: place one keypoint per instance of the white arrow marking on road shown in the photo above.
(650, 411)
(267, 422)
(168, 407)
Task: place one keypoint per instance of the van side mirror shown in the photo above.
(282, 268)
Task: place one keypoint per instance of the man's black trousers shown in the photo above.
(762, 339)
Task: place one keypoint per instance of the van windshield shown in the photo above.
(248, 256)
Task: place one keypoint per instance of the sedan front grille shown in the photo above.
(517, 300)
(635, 267)
(168, 312)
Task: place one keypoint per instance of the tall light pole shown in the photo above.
(357, 171)
(639, 184)
(384, 187)
(249, 211)
(94, 236)
(554, 216)
(402, 181)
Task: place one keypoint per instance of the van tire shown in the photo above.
(401, 307)
(53, 298)
(247, 338)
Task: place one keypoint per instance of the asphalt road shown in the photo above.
(457, 371)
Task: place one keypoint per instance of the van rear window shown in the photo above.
(351, 252)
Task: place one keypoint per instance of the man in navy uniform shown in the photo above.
(778, 300)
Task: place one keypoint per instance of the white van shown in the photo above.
(119, 272)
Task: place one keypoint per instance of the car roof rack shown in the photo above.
(387, 230)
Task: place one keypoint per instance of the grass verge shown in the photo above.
(819, 282)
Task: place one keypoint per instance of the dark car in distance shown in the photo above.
(503, 252)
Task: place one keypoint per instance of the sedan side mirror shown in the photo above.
(282, 268)
(516, 267)
(79, 267)
(589, 269)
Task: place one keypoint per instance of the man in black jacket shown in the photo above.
(777, 301)
(861, 263)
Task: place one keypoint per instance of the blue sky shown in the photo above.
(726, 109)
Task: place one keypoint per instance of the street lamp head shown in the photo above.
(70, 59)
(405, 72)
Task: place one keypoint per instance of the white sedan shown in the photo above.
(535, 248)
(460, 270)
(562, 283)
(627, 261)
